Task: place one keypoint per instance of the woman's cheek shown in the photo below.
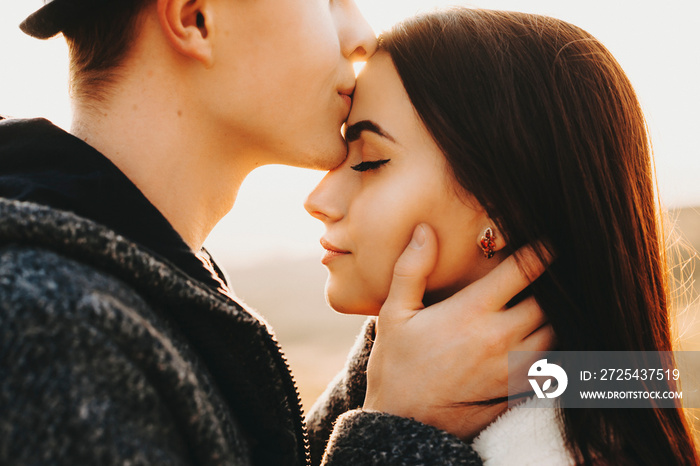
(376, 282)
(380, 271)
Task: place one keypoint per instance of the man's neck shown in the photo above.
(179, 165)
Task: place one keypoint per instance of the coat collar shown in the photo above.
(527, 434)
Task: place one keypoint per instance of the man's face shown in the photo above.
(282, 75)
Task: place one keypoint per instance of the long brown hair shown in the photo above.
(540, 124)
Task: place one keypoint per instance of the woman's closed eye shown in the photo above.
(369, 165)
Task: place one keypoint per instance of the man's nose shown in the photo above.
(357, 38)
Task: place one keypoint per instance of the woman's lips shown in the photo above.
(331, 252)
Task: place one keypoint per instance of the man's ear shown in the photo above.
(186, 25)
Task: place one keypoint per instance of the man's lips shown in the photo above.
(346, 95)
(347, 98)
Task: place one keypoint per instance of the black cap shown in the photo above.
(56, 15)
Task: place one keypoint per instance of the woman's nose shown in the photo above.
(325, 202)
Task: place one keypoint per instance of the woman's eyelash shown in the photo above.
(369, 165)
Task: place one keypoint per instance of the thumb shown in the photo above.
(410, 273)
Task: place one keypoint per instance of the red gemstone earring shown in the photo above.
(488, 243)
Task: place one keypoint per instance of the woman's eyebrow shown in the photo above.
(352, 132)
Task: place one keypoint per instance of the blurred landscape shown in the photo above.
(685, 291)
(683, 255)
(290, 295)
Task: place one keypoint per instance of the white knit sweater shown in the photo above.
(528, 434)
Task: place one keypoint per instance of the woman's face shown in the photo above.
(394, 178)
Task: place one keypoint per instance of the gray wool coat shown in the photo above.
(109, 355)
(414, 443)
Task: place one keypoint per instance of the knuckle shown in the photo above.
(494, 341)
(474, 303)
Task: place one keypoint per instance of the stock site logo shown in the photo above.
(542, 368)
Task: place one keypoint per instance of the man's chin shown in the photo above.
(329, 158)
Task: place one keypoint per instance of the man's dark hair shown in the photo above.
(99, 46)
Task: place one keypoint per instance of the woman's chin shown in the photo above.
(344, 299)
(352, 308)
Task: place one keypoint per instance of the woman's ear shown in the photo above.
(490, 241)
(186, 25)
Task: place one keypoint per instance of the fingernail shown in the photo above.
(418, 239)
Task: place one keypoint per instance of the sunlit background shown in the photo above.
(269, 244)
